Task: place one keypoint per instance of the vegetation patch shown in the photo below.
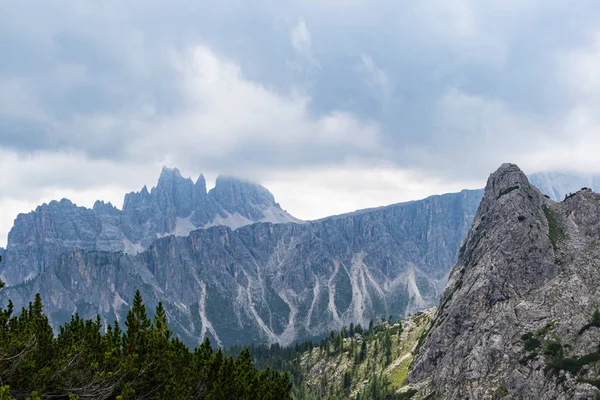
(507, 190)
(568, 196)
(530, 342)
(556, 230)
(501, 392)
(594, 322)
(573, 364)
(399, 374)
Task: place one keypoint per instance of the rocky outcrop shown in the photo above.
(516, 318)
(270, 282)
(175, 206)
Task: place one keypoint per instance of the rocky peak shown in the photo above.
(175, 195)
(200, 186)
(526, 281)
(239, 196)
(175, 206)
(101, 206)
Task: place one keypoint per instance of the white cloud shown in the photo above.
(302, 43)
(94, 101)
(225, 112)
(376, 78)
(313, 193)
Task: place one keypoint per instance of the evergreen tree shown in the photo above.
(143, 362)
(363, 351)
(137, 324)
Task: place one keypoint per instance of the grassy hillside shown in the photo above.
(354, 363)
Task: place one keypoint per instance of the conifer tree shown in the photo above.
(137, 326)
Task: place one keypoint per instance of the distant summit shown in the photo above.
(558, 185)
(176, 206)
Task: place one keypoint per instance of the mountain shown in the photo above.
(176, 206)
(269, 283)
(355, 363)
(558, 185)
(518, 318)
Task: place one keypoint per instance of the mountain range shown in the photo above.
(251, 274)
(176, 206)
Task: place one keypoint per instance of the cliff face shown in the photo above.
(270, 282)
(515, 318)
(176, 206)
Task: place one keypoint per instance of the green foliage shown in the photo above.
(574, 364)
(507, 191)
(355, 357)
(594, 322)
(568, 196)
(530, 342)
(501, 392)
(556, 231)
(142, 362)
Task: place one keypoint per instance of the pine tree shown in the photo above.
(363, 351)
(137, 326)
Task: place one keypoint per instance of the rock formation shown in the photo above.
(516, 320)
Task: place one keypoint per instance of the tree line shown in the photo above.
(141, 360)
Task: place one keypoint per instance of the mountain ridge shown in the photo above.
(176, 205)
(512, 320)
(268, 282)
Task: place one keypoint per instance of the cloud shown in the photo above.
(305, 60)
(96, 96)
(376, 79)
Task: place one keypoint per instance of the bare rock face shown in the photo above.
(268, 283)
(176, 206)
(516, 318)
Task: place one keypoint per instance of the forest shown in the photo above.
(141, 360)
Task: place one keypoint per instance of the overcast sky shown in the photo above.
(333, 105)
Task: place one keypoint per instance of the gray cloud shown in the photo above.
(448, 89)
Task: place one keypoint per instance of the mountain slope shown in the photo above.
(516, 318)
(175, 206)
(273, 283)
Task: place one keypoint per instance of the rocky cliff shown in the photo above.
(516, 320)
(270, 282)
(175, 206)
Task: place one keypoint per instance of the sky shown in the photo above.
(333, 105)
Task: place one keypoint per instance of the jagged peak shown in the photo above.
(101, 205)
(505, 180)
(64, 202)
(201, 184)
(170, 175)
(166, 171)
